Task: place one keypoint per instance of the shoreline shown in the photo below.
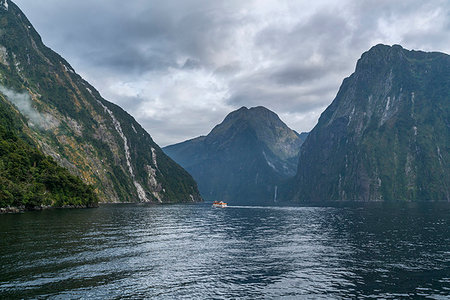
(22, 209)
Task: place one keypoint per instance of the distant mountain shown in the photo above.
(386, 136)
(69, 120)
(243, 159)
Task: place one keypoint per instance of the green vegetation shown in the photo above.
(386, 136)
(31, 179)
(79, 131)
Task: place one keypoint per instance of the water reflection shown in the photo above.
(194, 251)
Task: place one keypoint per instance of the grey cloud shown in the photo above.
(182, 127)
(130, 60)
(322, 26)
(146, 31)
(297, 74)
(291, 60)
(280, 97)
(228, 69)
(191, 64)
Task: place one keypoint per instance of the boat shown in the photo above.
(219, 204)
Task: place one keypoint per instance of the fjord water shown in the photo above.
(195, 251)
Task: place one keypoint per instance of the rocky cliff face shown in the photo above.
(243, 159)
(29, 179)
(83, 132)
(386, 136)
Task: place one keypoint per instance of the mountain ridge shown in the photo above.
(70, 121)
(242, 159)
(386, 134)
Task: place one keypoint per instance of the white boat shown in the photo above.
(219, 204)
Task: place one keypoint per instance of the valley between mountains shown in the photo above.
(385, 137)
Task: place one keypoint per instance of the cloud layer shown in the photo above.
(180, 66)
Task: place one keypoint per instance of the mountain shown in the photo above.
(70, 121)
(243, 159)
(386, 135)
(30, 179)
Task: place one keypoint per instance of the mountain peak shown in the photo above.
(261, 110)
(253, 114)
(123, 163)
(243, 158)
(252, 110)
(264, 123)
(393, 57)
(385, 49)
(379, 56)
(381, 138)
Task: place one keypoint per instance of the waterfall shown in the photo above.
(139, 189)
(275, 194)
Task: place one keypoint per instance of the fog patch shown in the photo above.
(23, 103)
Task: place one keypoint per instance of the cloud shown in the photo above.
(180, 66)
(24, 104)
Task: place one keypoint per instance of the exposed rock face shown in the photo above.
(243, 159)
(69, 119)
(386, 136)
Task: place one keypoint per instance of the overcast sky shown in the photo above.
(179, 67)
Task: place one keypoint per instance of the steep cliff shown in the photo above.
(83, 132)
(386, 135)
(28, 178)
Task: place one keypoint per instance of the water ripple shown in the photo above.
(194, 251)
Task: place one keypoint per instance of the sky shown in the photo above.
(179, 67)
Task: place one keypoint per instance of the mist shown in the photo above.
(23, 102)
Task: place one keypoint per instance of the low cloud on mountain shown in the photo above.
(180, 66)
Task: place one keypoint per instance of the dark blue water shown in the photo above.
(195, 251)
